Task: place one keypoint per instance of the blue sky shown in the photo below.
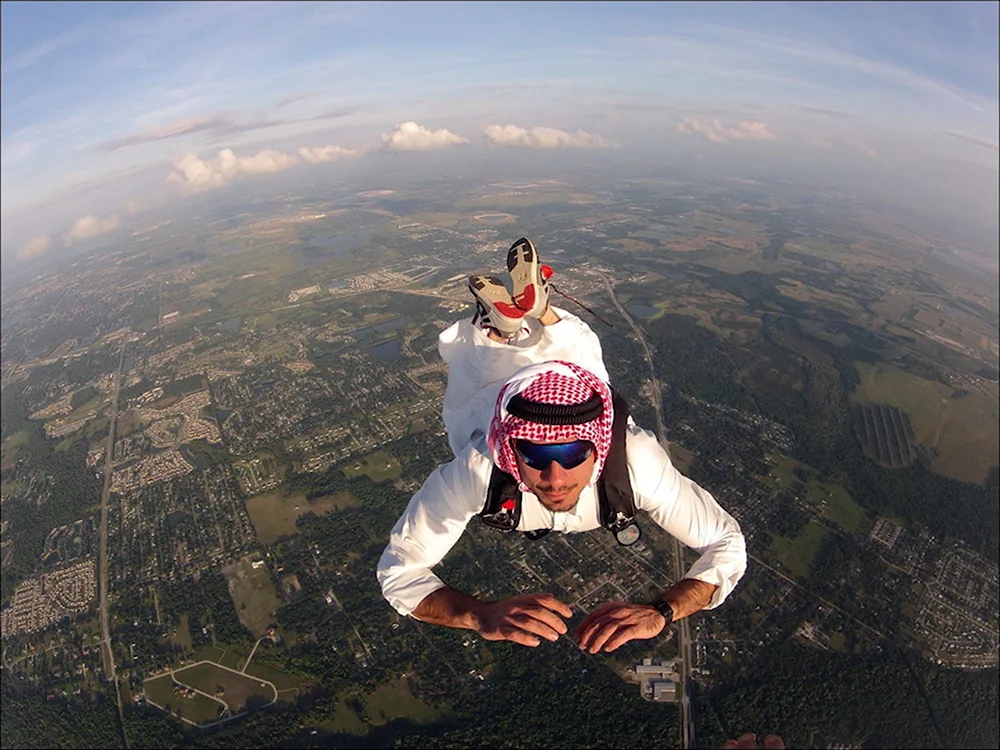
(109, 109)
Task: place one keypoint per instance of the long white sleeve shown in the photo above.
(432, 523)
(437, 515)
(686, 511)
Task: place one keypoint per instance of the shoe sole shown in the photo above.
(522, 265)
(501, 312)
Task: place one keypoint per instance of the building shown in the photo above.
(658, 682)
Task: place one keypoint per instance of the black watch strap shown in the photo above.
(661, 605)
(664, 608)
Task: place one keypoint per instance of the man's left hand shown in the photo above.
(616, 623)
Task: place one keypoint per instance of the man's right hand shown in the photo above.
(524, 619)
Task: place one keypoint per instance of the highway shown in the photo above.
(102, 554)
(682, 626)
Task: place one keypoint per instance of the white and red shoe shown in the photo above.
(531, 279)
(494, 306)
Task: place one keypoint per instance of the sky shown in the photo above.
(111, 110)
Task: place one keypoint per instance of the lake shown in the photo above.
(387, 352)
(336, 245)
(390, 325)
(642, 311)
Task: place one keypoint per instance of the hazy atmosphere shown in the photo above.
(112, 110)
(577, 374)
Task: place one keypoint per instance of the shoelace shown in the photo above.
(573, 299)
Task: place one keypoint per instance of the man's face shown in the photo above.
(557, 487)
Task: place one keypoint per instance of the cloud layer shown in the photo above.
(320, 154)
(717, 132)
(201, 174)
(84, 228)
(88, 227)
(541, 137)
(34, 247)
(409, 136)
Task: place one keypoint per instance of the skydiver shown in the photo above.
(532, 422)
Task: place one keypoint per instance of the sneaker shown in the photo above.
(494, 306)
(531, 288)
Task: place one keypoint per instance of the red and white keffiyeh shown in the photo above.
(555, 382)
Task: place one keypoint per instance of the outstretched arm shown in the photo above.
(433, 522)
(690, 514)
(524, 619)
(614, 624)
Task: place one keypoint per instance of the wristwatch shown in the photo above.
(664, 608)
(661, 605)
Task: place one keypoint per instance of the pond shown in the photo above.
(642, 311)
(231, 326)
(390, 325)
(387, 352)
(176, 518)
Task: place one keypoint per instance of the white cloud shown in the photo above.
(409, 136)
(541, 137)
(717, 132)
(34, 247)
(88, 227)
(320, 154)
(818, 142)
(194, 173)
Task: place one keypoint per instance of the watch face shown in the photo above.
(666, 610)
(628, 535)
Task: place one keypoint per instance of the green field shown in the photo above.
(797, 554)
(253, 595)
(783, 471)
(238, 689)
(182, 635)
(160, 690)
(379, 466)
(276, 346)
(198, 708)
(345, 719)
(18, 438)
(274, 515)
(962, 434)
(282, 680)
(840, 507)
(395, 701)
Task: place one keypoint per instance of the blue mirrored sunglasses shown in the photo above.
(567, 455)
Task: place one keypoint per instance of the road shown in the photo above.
(102, 555)
(683, 626)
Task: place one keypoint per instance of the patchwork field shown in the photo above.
(961, 432)
(253, 594)
(274, 515)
